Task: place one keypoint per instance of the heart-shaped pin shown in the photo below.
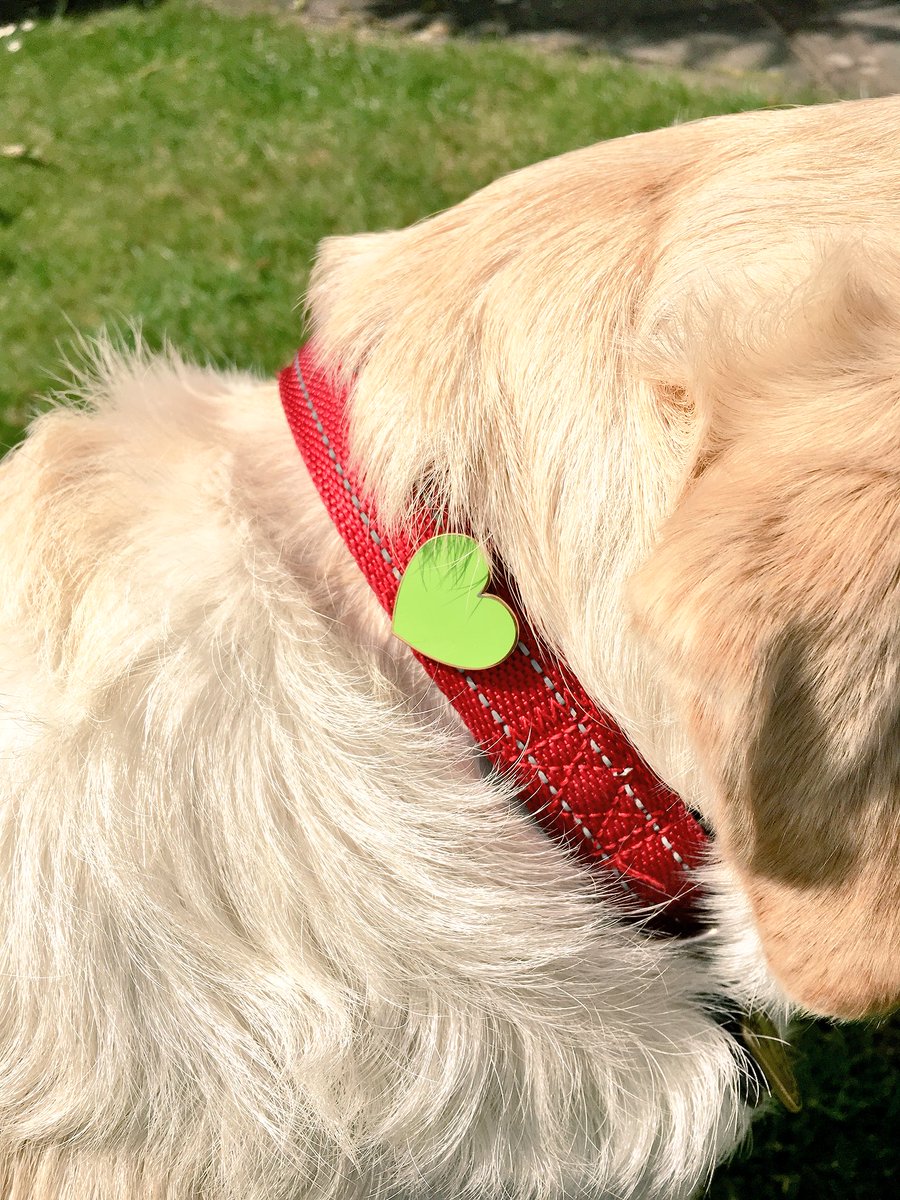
(442, 610)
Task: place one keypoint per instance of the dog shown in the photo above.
(271, 931)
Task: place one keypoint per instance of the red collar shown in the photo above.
(576, 771)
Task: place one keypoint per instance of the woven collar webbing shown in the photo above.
(576, 771)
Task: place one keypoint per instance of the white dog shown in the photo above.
(269, 931)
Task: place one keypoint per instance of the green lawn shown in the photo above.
(185, 165)
(180, 167)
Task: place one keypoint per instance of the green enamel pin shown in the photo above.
(443, 611)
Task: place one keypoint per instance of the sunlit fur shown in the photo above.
(269, 933)
(700, 324)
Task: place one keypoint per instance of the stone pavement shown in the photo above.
(852, 48)
(852, 51)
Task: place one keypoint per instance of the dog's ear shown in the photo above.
(773, 602)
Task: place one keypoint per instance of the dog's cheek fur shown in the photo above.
(267, 933)
(773, 599)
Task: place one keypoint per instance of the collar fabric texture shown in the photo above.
(574, 769)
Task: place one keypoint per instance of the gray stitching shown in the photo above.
(629, 791)
(357, 503)
(534, 763)
(366, 520)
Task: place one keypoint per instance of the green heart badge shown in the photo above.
(442, 609)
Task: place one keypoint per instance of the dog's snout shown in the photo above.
(836, 952)
(848, 1002)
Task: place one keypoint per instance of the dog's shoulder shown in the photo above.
(118, 512)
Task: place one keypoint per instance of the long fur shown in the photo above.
(269, 933)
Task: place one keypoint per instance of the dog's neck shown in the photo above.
(610, 664)
(572, 578)
(575, 770)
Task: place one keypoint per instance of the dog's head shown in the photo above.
(773, 602)
(739, 480)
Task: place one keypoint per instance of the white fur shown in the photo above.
(264, 917)
(268, 932)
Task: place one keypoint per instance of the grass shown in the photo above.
(182, 166)
(844, 1143)
(179, 168)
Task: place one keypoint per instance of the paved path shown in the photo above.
(853, 49)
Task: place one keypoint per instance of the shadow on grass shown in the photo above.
(590, 16)
(844, 1143)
